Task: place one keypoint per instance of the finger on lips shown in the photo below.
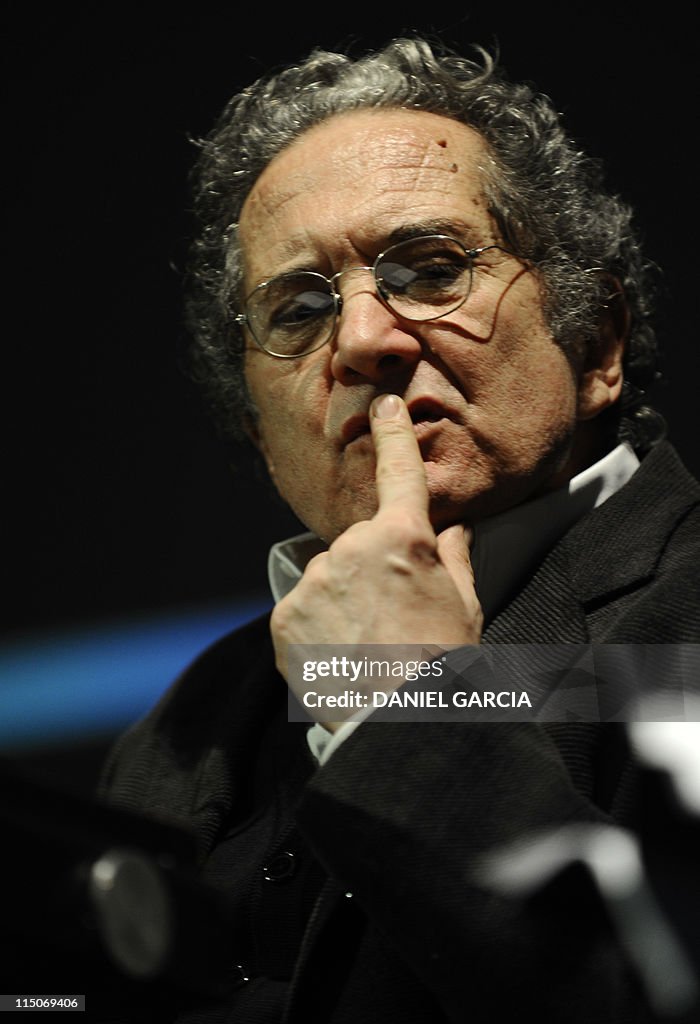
(400, 472)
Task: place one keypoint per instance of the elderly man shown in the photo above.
(412, 294)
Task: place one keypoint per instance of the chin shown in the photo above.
(447, 509)
(450, 501)
(334, 525)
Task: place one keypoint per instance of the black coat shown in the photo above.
(402, 813)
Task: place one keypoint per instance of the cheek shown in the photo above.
(290, 421)
(536, 406)
(526, 365)
(519, 384)
(539, 389)
(299, 466)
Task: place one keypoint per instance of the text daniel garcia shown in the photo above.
(406, 698)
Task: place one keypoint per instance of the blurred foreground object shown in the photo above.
(103, 902)
(644, 888)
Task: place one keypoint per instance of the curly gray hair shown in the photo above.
(546, 196)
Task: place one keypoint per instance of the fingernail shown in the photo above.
(386, 407)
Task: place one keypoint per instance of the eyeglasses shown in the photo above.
(420, 279)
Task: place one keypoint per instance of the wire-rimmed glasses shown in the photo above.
(419, 279)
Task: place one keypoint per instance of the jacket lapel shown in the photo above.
(613, 549)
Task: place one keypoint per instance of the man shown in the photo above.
(413, 295)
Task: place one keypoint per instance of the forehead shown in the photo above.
(346, 184)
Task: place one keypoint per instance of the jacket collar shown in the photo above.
(621, 543)
(613, 548)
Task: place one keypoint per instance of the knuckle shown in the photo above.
(410, 533)
(278, 619)
(316, 567)
(352, 543)
(408, 526)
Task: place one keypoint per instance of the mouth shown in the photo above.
(423, 413)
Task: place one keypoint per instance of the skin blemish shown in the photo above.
(442, 143)
(454, 168)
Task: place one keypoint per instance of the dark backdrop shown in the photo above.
(118, 496)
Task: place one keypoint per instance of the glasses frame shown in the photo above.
(242, 320)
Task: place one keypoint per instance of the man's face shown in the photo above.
(493, 397)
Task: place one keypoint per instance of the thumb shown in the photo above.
(453, 546)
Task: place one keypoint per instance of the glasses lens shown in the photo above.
(292, 314)
(424, 278)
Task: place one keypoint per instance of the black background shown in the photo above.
(118, 497)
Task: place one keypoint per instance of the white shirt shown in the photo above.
(506, 549)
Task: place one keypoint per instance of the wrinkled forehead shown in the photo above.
(358, 143)
(357, 170)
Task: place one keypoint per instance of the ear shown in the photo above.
(601, 379)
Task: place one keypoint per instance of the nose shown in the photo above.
(371, 341)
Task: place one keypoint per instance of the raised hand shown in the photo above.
(388, 580)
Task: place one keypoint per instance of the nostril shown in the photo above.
(390, 359)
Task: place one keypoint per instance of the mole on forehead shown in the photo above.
(358, 144)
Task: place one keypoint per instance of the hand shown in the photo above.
(389, 580)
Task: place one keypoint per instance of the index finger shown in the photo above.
(400, 472)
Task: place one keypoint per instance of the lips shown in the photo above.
(353, 428)
(427, 410)
(422, 411)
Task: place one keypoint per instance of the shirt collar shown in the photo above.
(506, 547)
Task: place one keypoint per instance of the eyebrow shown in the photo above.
(456, 229)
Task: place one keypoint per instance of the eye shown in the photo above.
(423, 268)
(291, 303)
(296, 310)
(428, 279)
(438, 271)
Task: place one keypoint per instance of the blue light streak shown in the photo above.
(100, 678)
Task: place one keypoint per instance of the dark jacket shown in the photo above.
(403, 813)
